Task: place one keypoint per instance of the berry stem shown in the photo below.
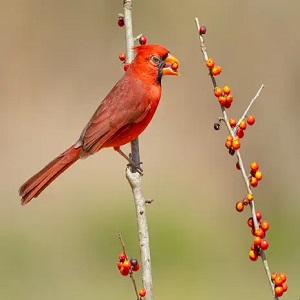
(238, 153)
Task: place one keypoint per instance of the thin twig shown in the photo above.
(238, 154)
(135, 179)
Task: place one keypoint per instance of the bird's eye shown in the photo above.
(155, 60)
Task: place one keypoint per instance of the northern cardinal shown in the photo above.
(122, 116)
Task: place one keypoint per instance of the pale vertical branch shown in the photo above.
(135, 179)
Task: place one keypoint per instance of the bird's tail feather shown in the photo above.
(38, 182)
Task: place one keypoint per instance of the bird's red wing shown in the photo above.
(123, 106)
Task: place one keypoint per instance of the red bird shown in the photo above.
(121, 117)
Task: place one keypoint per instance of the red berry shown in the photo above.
(142, 292)
(283, 277)
(240, 133)
(258, 216)
(126, 66)
(250, 223)
(229, 98)
(253, 182)
(232, 122)
(279, 291)
(253, 255)
(127, 264)
(251, 120)
(119, 265)
(278, 281)
(122, 256)
(202, 29)
(243, 125)
(143, 40)
(124, 271)
(257, 241)
(273, 276)
(259, 233)
(264, 244)
(122, 56)
(237, 165)
(121, 21)
(284, 286)
(136, 267)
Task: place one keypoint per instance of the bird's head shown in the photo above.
(154, 61)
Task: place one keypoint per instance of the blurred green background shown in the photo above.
(58, 60)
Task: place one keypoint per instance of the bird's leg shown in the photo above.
(131, 162)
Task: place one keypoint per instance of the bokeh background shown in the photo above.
(58, 60)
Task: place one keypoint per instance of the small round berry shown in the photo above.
(226, 89)
(136, 267)
(229, 138)
(227, 105)
(237, 165)
(283, 277)
(264, 245)
(202, 29)
(133, 261)
(245, 202)
(229, 98)
(122, 56)
(219, 69)
(126, 66)
(278, 281)
(216, 70)
(239, 206)
(210, 63)
(251, 120)
(264, 225)
(231, 151)
(253, 255)
(217, 126)
(124, 271)
(127, 264)
(258, 216)
(236, 144)
(222, 100)
(121, 22)
(250, 197)
(250, 222)
(284, 286)
(257, 241)
(240, 133)
(232, 122)
(228, 144)
(279, 291)
(258, 175)
(142, 40)
(243, 125)
(273, 276)
(174, 66)
(259, 233)
(253, 182)
(218, 91)
(254, 166)
(119, 265)
(122, 256)
(142, 292)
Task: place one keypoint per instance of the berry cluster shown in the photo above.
(280, 285)
(127, 267)
(142, 40)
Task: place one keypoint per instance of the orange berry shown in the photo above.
(284, 286)
(264, 225)
(228, 144)
(229, 98)
(253, 182)
(264, 245)
(222, 100)
(237, 165)
(254, 166)
(218, 91)
(243, 125)
(279, 291)
(253, 255)
(259, 233)
(216, 70)
(174, 66)
(219, 69)
(239, 206)
(251, 120)
(273, 276)
(226, 89)
(258, 175)
(119, 265)
(127, 264)
(283, 277)
(210, 63)
(257, 241)
(124, 271)
(142, 292)
(236, 144)
(249, 197)
(122, 56)
(278, 281)
(232, 122)
(229, 138)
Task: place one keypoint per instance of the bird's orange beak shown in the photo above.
(171, 65)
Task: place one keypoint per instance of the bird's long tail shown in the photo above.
(38, 182)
